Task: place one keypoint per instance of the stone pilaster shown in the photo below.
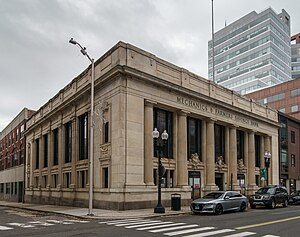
(233, 159)
(60, 156)
(74, 153)
(262, 159)
(182, 175)
(203, 149)
(210, 158)
(227, 159)
(268, 148)
(251, 188)
(148, 143)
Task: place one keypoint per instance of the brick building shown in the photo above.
(12, 158)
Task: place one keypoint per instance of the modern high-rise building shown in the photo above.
(252, 53)
(295, 39)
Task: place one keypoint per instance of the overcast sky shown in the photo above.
(36, 60)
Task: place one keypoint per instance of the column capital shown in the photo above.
(210, 120)
(233, 126)
(150, 103)
(250, 131)
(183, 112)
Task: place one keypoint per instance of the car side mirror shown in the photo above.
(226, 197)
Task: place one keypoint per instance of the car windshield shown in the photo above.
(266, 191)
(213, 195)
(295, 193)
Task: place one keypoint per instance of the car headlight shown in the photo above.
(265, 197)
(209, 206)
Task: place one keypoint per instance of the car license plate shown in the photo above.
(197, 207)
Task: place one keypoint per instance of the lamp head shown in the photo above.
(155, 133)
(164, 135)
(72, 41)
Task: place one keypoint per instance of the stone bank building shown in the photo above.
(217, 138)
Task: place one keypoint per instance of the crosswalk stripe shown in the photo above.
(211, 233)
(119, 221)
(172, 228)
(243, 234)
(5, 228)
(271, 236)
(135, 223)
(159, 226)
(40, 223)
(21, 225)
(149, 224)
(189, 231)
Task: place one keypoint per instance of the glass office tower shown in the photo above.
(295, 39)
(253, 52)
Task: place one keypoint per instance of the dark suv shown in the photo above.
(269, 196)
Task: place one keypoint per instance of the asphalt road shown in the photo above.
(259, 222)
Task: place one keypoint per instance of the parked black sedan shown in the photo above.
(294, 197)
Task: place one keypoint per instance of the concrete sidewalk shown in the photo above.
(100, 214)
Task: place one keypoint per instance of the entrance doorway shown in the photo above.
(241, 182)
(20, 192)
(195, 183)
(219, 180)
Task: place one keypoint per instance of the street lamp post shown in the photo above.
(160, 148)
(84, 52)
(267, 164)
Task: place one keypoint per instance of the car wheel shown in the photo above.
(273, 204)
(219, 209)
(285, 204)
(252, 206)
(243, 207)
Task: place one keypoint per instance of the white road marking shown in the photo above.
(211, 233)
(40, 223)
(23, 225)
(5, 228)
(159, 226)
(243, 234)
(118, 221)
(189, 231)
(135, 223)
(148, 224)
(271, 236)
(173, 228)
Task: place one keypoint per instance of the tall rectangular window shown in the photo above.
(68, 142)
(257, 150)
(55, 146)
(37, 153)
(240, 136)
(284, 161)
(106, 132)
(54, 182)
(293, 160)
(46, 150)
(105, 177)
(163, 121)
(67, 179)
(219, 141)
(293, 137)
(83, 137)
(82, 178)
(194, 137)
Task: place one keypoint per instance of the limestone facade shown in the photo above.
(136, 91)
